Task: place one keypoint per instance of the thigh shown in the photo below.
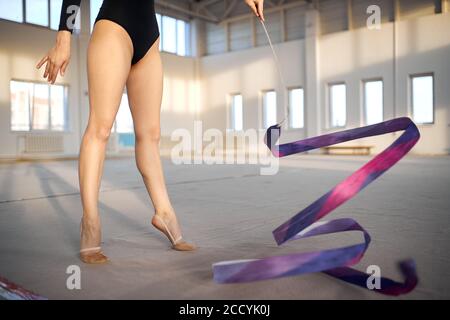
(109, 61)
(144, 87)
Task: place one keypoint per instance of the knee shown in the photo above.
(152, 134)
(99, 132)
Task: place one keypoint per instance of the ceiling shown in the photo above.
(216, 11)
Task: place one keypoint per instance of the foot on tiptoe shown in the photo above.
(168, 224)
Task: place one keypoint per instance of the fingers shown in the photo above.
(261, 10)
(52, 68)
(51, 72)
(64, 67)
(54, 74)
(252, 6)
(47, 68)
(40, 63)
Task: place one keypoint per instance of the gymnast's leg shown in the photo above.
(144, 86)
(109, 59)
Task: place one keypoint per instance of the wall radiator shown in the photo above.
(40, 143)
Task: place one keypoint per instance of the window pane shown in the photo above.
(37, 12)
(236, 112)
(270, 108)
(58, 110)
(181, 38)
(158, 19)
(338, 105)
(170, 32)
(124, 121)
(422, 99)
(373, 102)
(20, 105)
(55, 11)
(40, 109)
(11, 10)
(94, 9)
(296, 108)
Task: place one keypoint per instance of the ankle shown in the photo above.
(165, 213)
(90, 221)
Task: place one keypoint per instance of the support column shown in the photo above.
(312, 77)
(227, 37)
(349, 14)
(445, 6)
(283, 25)
(198, 50)
(198, 36)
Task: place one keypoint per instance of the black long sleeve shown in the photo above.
(68, 14)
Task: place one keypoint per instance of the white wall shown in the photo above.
(180, 93)
(423, 46)
(248, 72)
(22, 46)
(351, 56)
(197, 88)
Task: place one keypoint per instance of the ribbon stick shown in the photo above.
(333, 262)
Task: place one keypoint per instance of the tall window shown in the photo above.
(38, 12)
(269, 108)
(123, 124)
(373, 102)
(181, 37)
(11, 10)
(338, 105)
(124, 120)
(55, 12)
(296, 108)
(174, 35)
(94, 9)
(158, 20)
(38, 106)
(422, 99)
(169, 29)
(236, 112)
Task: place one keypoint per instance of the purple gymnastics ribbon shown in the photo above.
(12, 291)
(334, 262)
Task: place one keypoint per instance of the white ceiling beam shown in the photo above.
(268, 10)
(171, 6)
(229, 9)
(206, 3)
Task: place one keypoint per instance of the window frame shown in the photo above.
(364, 106)
(289, 89)
(114, 129)
(329, 111)
(263, 113)
(24, 17)
(230, 113)
(67, 128)
(188, 49)
(411, 96)
(187, 35)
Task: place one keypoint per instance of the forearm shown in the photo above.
(69, 11)
(63, 38)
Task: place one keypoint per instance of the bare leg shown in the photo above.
(145, 84)
(109, 55)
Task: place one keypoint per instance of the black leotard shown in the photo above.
(137, 17)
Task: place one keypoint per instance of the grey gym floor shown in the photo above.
(229, 211)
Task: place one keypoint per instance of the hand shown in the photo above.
(57, 58)
(257, 6)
